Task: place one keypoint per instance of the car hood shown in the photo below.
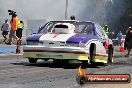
(56, 37)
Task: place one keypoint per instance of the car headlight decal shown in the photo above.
(76, 44)
(34, 43)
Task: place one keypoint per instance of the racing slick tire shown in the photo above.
(32, 60)
(92, 53)
(110, 54)
(85, 64)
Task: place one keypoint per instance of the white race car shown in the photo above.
(69, 40)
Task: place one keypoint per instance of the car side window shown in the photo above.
(100, 31)
(84, 27)
(79, 28)
(46, 28)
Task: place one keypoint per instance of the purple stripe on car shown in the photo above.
(34, 37)
(94, 29)
(80, 38)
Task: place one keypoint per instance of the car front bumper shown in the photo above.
(73, 53)
(67, 53)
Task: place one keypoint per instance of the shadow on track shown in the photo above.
(50, 64)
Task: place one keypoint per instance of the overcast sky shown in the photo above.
(53, 9)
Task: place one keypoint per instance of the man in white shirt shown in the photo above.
(5, 29)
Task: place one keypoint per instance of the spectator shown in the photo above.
(128, 40)
(72, 17)
(106, 29)
(5, 29)
(126, 44)
(119, 36)
(14, 24)
(20, 29)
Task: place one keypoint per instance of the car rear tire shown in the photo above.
(110, 54)
(85, 64)
(92, 51)
(32, 60)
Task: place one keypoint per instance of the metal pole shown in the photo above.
(66, 9)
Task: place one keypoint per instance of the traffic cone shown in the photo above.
(122, 46)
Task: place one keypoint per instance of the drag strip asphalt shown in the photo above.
(16, 71)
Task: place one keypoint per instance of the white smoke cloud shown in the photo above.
(93, 10)
(53, 9)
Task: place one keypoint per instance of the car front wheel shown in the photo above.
(85, 64)
(32, 60)
(92, 52)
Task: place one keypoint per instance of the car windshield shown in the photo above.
(80, 27)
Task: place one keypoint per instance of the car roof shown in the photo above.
(73, 21)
